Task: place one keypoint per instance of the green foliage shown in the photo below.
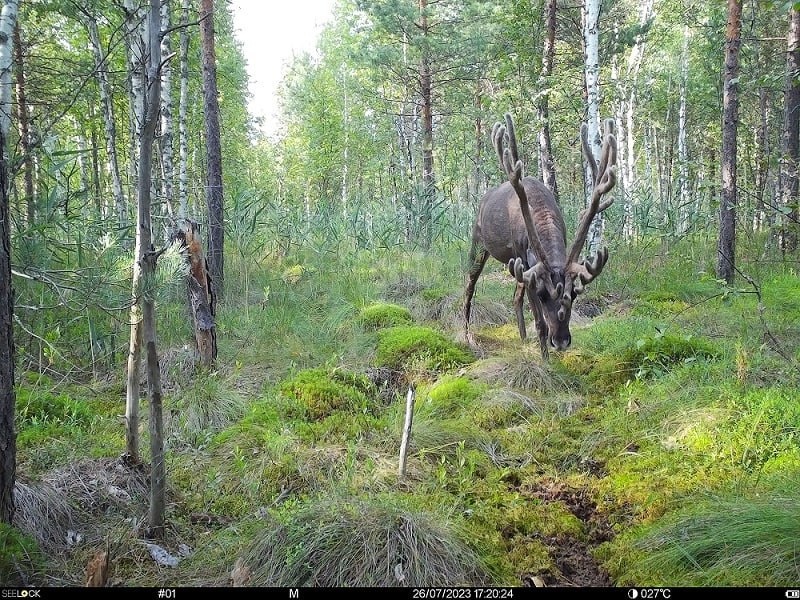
(379, 316)
(400, 345)
(654, 355)
(320, 392)
(18, 554)
(39, 408)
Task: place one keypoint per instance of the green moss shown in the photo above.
(381, 315)
(449, 397)
(400, 345)
(319, 392)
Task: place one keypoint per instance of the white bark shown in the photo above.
(683, 156)
(167, 162)
(110, 128)
(183, 153)
(8, 18)
(136, 31)
(591, 39)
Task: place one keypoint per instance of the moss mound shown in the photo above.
(381, 315)
(320, 392)
(400, 345)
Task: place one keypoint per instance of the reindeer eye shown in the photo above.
(562, 313)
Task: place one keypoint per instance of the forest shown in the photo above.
(509, 297)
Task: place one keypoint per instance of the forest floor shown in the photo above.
(634, 457)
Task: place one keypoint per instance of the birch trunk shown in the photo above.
(107, 106)
(137, 36)
(545, 146)
(683, 157)
(791, 130)
(8, 436)
(145, 260)
(167, 162)
(726, 258)
(183, 143)
(428, 179)
(591, 38)
(762, 162)
(135, 29)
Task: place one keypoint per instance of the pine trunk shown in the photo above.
(726, 259)
(214, 196)
(24, 129)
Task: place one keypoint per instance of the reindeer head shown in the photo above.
(554, 276)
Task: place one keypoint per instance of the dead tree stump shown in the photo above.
(200, 290)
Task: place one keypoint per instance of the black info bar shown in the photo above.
(400, 593)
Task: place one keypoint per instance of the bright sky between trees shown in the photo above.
(271, 33)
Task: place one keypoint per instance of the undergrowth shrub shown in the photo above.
(654, 355)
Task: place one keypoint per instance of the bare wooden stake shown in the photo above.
(406, 430)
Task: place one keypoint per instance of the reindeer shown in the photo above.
(520, 224)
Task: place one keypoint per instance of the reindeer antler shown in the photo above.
(603, 179)
(512, 165)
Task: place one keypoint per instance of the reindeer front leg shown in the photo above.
(541, 324)
(519, 298)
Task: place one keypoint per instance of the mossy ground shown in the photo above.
(633, 458)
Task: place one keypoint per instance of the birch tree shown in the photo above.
(109, 122)
(791, 131)
(543, 108)
(145, 262)
(426, 93)
(167, 162)
(626, 80)
(8, 437)
(683, 152)
(183, 142)
(591, 43)
(726, 247)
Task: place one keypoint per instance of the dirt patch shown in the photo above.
(575, 565)
(390, 383)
